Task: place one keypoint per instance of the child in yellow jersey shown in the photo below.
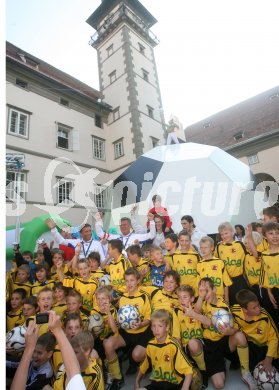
(187, 330)
(171, 282)
(19, 279)
(170, 369)
(85, 284)
(141, 264)
(15, 316)
(74, 303)
(185, 261)
(118, 265)
(94, 260)
(233, 254)
(259, 329)
(60, 293)
(138, 336)
(91, 372)
(30, 308)
(252, 264)
(214, 268)
(45, 301)
(221, 342)
(171, 244)
(269, 277)
(108, 312)
(58, 263)
(42, 279)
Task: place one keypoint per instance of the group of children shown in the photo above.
(176, 295)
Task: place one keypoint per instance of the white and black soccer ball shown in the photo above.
(104, 280)
(95, 324)
(221, 317)
(15, 338)
(127, 316)
(264, 382)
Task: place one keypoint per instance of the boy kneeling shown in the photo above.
(170, 368)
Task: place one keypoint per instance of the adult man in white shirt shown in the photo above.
(127, 236)
(87, 243)
(187, 223)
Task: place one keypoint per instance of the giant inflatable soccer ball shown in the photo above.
(199, 180)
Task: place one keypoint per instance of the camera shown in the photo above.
(42, 318)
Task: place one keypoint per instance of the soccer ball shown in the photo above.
(104, 280)
(127, 316)
(60, 370)
(263, 381)
(15, 338)
(95, 324)
(221, 317)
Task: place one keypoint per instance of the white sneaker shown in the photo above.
(249, 380)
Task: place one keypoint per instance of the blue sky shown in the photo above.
(212, 54)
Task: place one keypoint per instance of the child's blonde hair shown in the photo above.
(83, 340)
(224, 226)
(186, 288)
(161, 315)
(155, 249)
(205, 239)
(45, 289)
(75, 294)
(106, 290)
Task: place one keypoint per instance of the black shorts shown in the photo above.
(154, 385)
(239, 283)
(215, 353)
(134, 339)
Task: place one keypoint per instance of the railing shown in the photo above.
(111, 19)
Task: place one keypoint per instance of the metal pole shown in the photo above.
(17, 229)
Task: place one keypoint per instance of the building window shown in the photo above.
(11, 185)
(110, 50)
(64, 102)
(118, 149)
(154, 142)
(207, 124)
(253, 159)
(63, 137)
(141, 49)
(18, 123)
(145, 74)
(21, 83)
(65, 191)
(98, 121)
(116, 114)
(98, 148)
(150, 111)
(112, 76)
(99, 196)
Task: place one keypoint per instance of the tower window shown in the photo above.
(207, 124)
(64, 137)
(98, 121)
(141, 49)
(112, 76)
(118, 149)
(98, 148)
(116, 114)
(150, 112)
(110, 50)
(145, 74)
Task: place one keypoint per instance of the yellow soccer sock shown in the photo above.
(114, 368)
(199, 359)
(243, 354)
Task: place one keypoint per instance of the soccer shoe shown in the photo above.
(249, 380)
(116, 384)
(204, 379)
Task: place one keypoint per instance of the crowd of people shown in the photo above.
(176, 281)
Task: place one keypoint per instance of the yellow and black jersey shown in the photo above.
(92, 378)
(261, 330)
(36, 287)
(97, 274)
(116, 271)
(14, 319)
(144, 269)
(252, 268)
(158, 299)
(56, 359)
(263, 246)
(26, 286)
(185, 328)
(233, 255)
(269, 277)
(172, 298)
(208, 309)
(168, 257)
(141, 301)
(59, 308)
(107, 329)
(167, 361)
(214, 269)
(55, 275)
(86, 288)
(185, 264)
